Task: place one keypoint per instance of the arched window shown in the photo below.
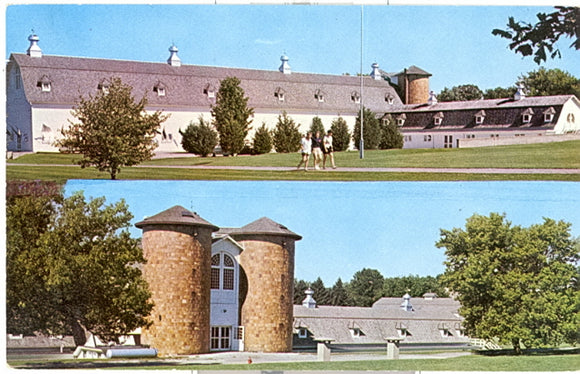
(222, 272)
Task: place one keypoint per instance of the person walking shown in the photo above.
(317, 150)
(327, 150)
(305, 149)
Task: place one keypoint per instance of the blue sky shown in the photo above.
(348, 226)
(453, 43)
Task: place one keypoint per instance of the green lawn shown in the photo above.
(464, 363)
(562, 155)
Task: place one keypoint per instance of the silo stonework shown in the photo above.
(267, 312)
(418, 89)
(268, 262)
(177, 247)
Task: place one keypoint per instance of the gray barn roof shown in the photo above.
(72, 77)
(384, 319)
(498, 113)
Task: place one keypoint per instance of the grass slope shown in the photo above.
(563, 155)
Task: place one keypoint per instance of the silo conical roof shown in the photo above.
(176, 215)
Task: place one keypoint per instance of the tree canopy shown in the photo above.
(112, 131)
(391, 136)
(464, 92)
(540, 38)
(72, 266)
(514, 283)
(232, 116)
(547, 82)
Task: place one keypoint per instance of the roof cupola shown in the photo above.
(432, 98)
(285, 68)
(309, 301)
(520, 94)
(406, 305)
(34, 50)
(376, 73)
(173, 59)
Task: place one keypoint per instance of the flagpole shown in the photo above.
(362, 142)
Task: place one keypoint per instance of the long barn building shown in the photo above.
(43, 89)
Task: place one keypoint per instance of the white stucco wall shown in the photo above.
(569, 120)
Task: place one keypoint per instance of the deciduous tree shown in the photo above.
(547, 82)
(464, 92)
(112, 131)
(232, 116)
(540, 38)
(72, 266)
(514, 283)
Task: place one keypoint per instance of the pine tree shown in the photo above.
(316, 126)
(340, 135)
(262, 140)
(371, 130)
(338, 294)
(286, 135)
(391, 137)
(232, 116)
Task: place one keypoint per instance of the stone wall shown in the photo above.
(267, 312)
(177, 270)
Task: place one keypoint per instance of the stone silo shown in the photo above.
(268, 263)
(414, 83)
(177, 246)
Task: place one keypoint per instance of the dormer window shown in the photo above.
(438, 118)
(527, 115)
(302, 332)
(444, 330)
(356, 332)
(160, 89)
(549, 115)
(103, 86)
(479, 117)
(355, 97)
(209, 91)
(319, 95)
(44, 84)
(390, 99)
(401, 119)
(279, 93)
(402, 330)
